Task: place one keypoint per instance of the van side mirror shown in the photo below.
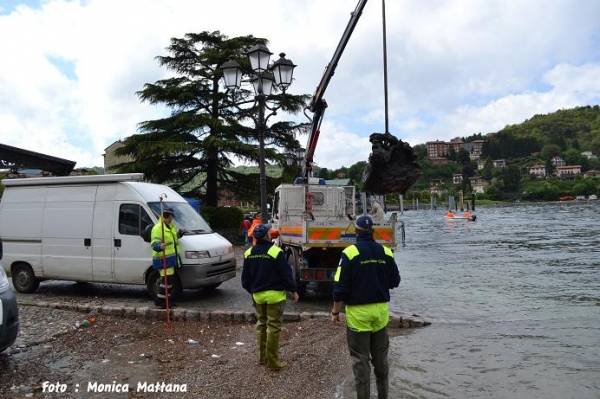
(147, 233)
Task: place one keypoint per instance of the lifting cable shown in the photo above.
(385, 76)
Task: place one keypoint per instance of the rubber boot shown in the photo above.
(273, 361)
(261, 344)
(274, 314)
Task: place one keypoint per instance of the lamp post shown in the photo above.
(293, 161)
(264, 77)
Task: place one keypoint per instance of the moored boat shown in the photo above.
(567, 198)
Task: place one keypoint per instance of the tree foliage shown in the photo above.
(207, 128)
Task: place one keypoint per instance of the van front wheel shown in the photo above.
(24, 279)
(153, 285)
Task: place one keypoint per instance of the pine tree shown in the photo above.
(208, 127)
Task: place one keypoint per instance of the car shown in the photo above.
(9, 314)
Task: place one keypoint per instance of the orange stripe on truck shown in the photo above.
(384, 234)
(325, 233)
(291, 230)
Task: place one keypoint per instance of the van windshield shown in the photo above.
(185, 216)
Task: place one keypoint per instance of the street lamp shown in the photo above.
(294, 158)
(259, 56)
(283, 70)
(280, 74)
(232, 74)
(263, 83)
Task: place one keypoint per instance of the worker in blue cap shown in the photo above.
(366, 273)
(267, 276)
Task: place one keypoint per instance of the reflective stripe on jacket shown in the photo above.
(172, 248)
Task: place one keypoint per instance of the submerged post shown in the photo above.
(401, 204)
(363, 202)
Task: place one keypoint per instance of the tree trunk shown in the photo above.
(212, 195)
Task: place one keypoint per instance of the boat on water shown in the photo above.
(593, 197)
(567, 198)
(465, 216)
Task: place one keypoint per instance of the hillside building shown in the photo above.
(592, 173)
(437, 149)
(477, 147)
(558, 161)
(479, 184)
(457, 178)
(499, 163)
(537, 171)
(111, 159)
(456, 144)
(568, 171)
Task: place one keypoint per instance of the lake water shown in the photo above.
(514, 299)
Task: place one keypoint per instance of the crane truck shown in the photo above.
(315, 220)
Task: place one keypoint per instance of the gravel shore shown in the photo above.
(214, 359)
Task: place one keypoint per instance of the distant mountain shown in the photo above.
(576, 129)
(271, 170)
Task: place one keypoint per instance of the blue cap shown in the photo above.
(364, 223)
(261, 231)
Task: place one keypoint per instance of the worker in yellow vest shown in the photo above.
(366, 273)
(164, 240)
(267, 276)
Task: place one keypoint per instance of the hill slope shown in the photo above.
(576, 128)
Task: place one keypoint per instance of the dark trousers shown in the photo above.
(365, 346)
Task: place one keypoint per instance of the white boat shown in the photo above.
(593, 197)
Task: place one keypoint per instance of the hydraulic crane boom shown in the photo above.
(317, 105)
(392, 166)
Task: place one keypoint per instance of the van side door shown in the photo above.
(67, 232)
(132, 255)
(102, 234)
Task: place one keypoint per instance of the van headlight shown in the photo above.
(3, 280)
(197, 254)
(229, 249)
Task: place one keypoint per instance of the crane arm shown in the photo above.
(318, 104)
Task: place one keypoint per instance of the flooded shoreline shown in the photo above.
(513, 299)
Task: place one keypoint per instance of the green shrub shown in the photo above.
(220, 218)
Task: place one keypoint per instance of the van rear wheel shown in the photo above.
(153, 285)
(24, 279)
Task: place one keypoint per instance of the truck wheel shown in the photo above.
(24, 279)
(153, 285)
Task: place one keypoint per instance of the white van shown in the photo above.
(89, 229)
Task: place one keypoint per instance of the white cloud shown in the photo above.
(339, 146)
(571, 86)
(456, 67)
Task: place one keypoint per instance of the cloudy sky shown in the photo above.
(69, 69)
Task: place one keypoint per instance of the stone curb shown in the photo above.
(179, 314)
